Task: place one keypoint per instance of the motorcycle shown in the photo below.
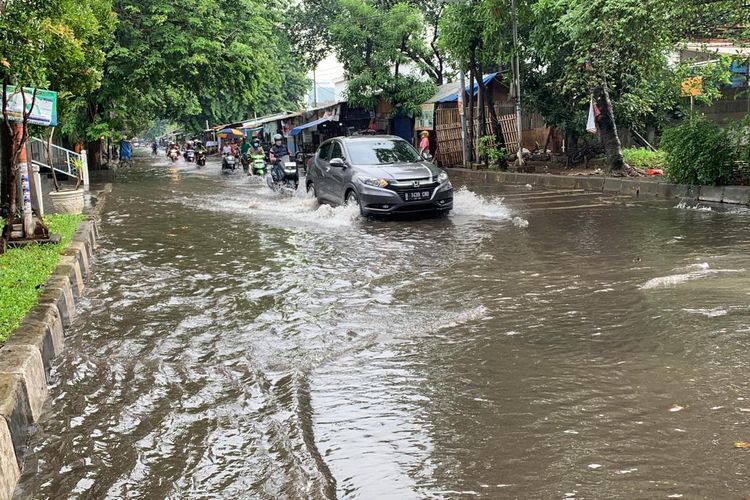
(245, 161)
(259, 165)
(284, 174)
(174, 155)
(190, 155)
(154, 150)
(200, 158)
(228, 164)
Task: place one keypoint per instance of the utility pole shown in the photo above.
(462, 117)
(517, 82)
(315, 90)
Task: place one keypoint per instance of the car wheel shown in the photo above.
(353, 199)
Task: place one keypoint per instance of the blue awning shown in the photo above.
(454, 96)
(298, 130)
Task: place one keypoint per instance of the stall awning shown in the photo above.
(454, 96)
(298, 130)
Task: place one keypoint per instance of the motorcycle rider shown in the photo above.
(244, 148)
(280, 154)
(173, 148)
(255, 150)
(188, 147)
(154, 148)
(200, 149)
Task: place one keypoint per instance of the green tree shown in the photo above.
(189, 61)
(55, 44)
(612, 50)
(374, 44)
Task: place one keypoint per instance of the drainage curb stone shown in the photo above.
(711, 193)
(28, 355)
(57, 291)
(739, 195)
(736, 195)
(26, 362)
(10, 472)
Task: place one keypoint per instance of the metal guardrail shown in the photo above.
(59, 159)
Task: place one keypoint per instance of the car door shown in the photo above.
(320, 177)
(337, 175)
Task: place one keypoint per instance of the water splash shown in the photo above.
(682, 275)
(684, 205)
(466, 203)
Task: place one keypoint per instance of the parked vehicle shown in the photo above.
(259, 165)
(228, 163)
(381, 174)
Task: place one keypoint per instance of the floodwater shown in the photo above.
(234, 343)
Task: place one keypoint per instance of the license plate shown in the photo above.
(416, 195)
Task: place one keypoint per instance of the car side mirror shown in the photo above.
(337, 162)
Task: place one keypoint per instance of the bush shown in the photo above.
(697, 152)
(495, 155)
(644, 158)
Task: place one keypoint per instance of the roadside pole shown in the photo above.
(23, 171)
(85, 168)
(517, 82)
(462, 117)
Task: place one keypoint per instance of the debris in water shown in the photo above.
(595, 466)
(519, 222)
(676, 408)
(743, 445)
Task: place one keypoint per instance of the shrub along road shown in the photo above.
(23, 271)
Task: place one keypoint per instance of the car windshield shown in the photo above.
(381, 152)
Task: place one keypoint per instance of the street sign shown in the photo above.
(45, 105)
(692, 87)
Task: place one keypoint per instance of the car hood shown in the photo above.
(402, 171)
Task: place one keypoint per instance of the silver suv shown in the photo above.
(382, 174)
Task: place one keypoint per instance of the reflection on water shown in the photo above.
(239, 343)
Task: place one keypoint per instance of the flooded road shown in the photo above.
(238, 344)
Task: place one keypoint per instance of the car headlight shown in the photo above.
(374, 182)
(442, 177)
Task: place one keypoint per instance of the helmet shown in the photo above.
(256, 142)
(277, 138)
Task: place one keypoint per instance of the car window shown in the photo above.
(336, 151)
(381, 151)
(324, 151)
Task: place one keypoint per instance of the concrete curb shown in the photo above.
(27, 357)
(640, 187)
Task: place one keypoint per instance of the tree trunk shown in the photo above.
(470, 117)
(481, 103)
(6, 145)
(94, 152)
(608, 129)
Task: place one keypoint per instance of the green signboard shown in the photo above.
(44, 111)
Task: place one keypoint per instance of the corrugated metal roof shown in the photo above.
(453, 96)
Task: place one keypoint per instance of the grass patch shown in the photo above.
(23, 271)
(645, 158)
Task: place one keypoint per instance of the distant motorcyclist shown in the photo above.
(154, 148)
(257, 157)
(200, 153)
(279, 153)
(244, 157)
(256, 148)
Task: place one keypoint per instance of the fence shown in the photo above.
(448, 131)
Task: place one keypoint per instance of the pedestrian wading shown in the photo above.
(27, 356)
